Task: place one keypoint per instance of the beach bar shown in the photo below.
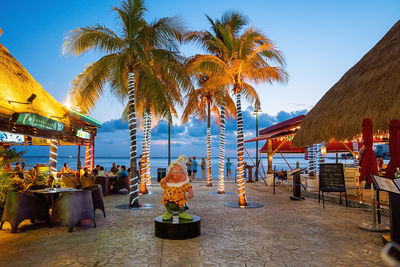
(27, 109)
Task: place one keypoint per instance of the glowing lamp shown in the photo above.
(323, 150)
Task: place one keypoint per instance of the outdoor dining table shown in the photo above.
(53, 191)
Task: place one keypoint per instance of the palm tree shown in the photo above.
(127, 65)
(218, 43)
(250, 62)
(202, 102)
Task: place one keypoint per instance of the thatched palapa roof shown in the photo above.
(371, 88)
(17, 84)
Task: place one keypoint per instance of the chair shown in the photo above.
(73, 208)
(97, 197)
(21, 206)
(105, 184)
(86, 181)
(68, 182)
(121, 184)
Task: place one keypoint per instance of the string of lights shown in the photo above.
(221, 186)
(240, 152)
(134, 188)
(148, 178)
(209, 179)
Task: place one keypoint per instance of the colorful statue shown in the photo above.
(175, 186)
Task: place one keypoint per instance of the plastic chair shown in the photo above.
(97, 197)
(21, 206)
(73, 207)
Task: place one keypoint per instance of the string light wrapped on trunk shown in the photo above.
(148, 177)
(221, 185)
(88, 157)
(53, 156)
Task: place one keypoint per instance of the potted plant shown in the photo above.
(6, 177)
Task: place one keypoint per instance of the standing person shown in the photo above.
(189, 168)
(228, 168)
(194, 168)
(118, 170)
(203, 168)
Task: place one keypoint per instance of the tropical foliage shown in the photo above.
(241, 57)
(8, 156)
(202, 102)
(140, 63)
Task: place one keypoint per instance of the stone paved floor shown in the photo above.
(282, 233)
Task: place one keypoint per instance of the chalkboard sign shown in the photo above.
(331, 177)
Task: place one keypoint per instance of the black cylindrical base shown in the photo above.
(185, 229)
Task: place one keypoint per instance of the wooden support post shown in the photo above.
(270, 156)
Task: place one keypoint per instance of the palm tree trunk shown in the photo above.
(143, 188)
(209, 178)
(53, 156)
(134, 188)
(88, 157)
(221, 188)
(148, 178)
(240, 178)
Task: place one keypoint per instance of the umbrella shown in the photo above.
(394, 142)
(368, 162)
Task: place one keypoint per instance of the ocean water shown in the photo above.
(162, 162)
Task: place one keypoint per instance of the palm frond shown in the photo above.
(99, 38)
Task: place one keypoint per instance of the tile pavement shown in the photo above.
(282, 233)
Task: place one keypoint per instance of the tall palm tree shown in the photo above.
(250, 62)
(202, 102)
(217, 42)
(127, 65)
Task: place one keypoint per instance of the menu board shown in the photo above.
(386, 184)
(331, 177)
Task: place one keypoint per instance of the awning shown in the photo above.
(284, 128)
(287, 147)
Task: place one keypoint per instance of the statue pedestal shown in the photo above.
(185, 229)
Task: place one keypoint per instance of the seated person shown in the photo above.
(102, 172)
(96, 170)
(18, 170)
(65, 169)
(123, 173)
(86, 178)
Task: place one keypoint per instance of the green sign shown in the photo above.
(38, 121)
(82, 134)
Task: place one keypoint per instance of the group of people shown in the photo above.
(192, 166)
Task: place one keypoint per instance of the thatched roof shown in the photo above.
(371, 88)
(17, 84)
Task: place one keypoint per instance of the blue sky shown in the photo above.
(321, 40)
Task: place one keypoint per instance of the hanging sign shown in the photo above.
(82, 134)
(38, 121)
(7, 137)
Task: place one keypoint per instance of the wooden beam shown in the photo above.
(348, 148)
(280, 145)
